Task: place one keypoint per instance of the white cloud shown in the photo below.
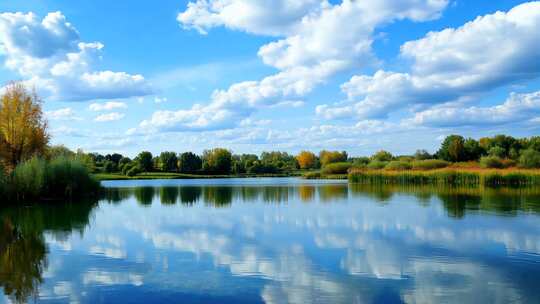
(114, 116)
(159, 100)
(62, 114)
(48, 53)
(453, 64)
(253, 16)
(107, 106)
(516, 109)
(321, 40)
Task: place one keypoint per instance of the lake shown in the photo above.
(279, 240)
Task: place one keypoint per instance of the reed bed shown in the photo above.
(38, 179)
(454, 177)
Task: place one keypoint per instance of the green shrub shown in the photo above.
(28, 179)
(429, 164)
(382, 156)
(336, 168)
(529, 159)
(492, 162)
(133, 171)
(312, 175)
(60, 178)
(398, 165)
(68, 178)
(376, 165)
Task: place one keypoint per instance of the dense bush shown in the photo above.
(529, 159)
(312, 175)
(336, 168)
(376, 164)
(382, 156)
(398, 165)
(429, 164)
(59, 178)
(492, 162)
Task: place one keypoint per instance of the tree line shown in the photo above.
(500, 151)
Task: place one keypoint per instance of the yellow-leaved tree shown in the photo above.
(306, 160)
(23, 128)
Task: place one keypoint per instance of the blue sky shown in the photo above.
(360, 76)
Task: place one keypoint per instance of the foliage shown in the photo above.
(306, 160)
(497, 152)
(189, 163)
(144, 160)
(168, 161)
(452, 149)
(328, 157)
(282, 160)
(422, 155)
(376, 164)
(336, 168)
(312, 175)
(217, 160)
(59, 151)
(429, 164)
(491, 162)
(109, 167)
(23, 129)
(58, 178)
(382, 156)
(398, 165)
(447, 177)
(529, 159)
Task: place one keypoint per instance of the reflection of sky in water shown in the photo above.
(291, 243)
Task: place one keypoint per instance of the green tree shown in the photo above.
(382, 156)
(144, 161)
(529, 158)
(189, 163)
(329, 157)
(168, 161)
(497, 151)
(422, 155)
(472, 148)
(218, 161)
(452, 149)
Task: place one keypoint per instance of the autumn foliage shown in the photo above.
(23, 129)
(306, 160)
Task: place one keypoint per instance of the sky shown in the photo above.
(256, 75)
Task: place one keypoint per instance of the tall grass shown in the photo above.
(459, 177)
(60, 178)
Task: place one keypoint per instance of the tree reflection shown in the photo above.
(23, 251)
(168, 195)
(190, 195)
(458, 201)
(145, 195)
(218, 196)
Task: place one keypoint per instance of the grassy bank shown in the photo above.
(38, 179)
(164, 175)
(448, 176)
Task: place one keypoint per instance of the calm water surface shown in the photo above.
(274, 241)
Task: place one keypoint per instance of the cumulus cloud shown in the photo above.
(107, 106)
(517, 108)
(62, 114)
(114, 116)
(319, 40)
(253, 16)
(453, 64)
(48, 53)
